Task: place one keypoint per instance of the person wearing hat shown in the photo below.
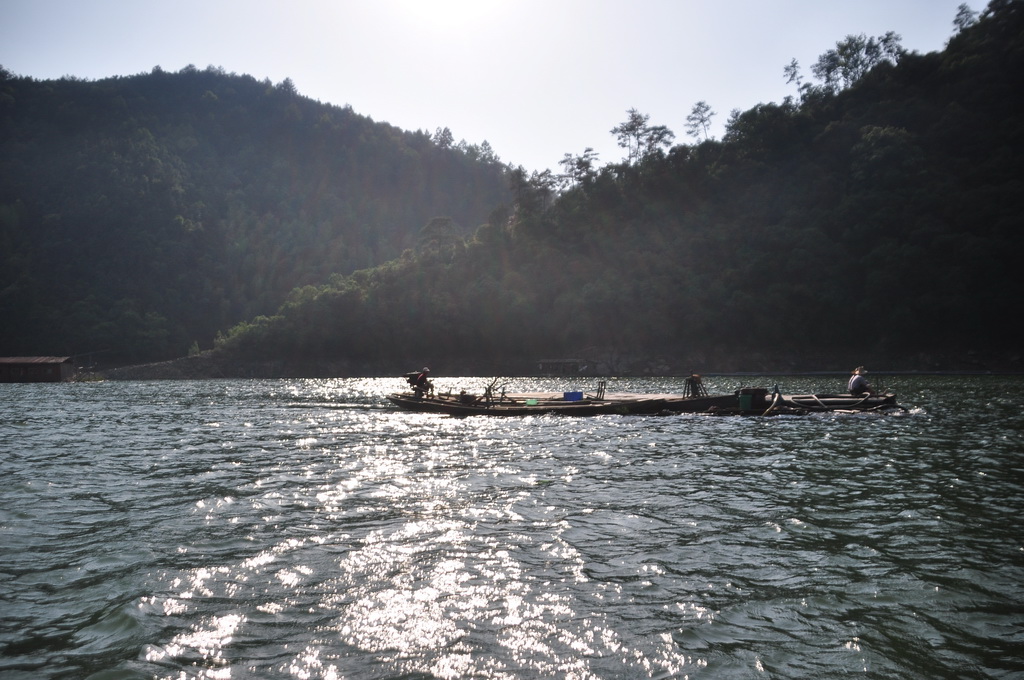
(421, 383)
(858, 385)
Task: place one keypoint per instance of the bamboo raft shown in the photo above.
(695, 400)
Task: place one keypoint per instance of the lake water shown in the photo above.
(306, 529)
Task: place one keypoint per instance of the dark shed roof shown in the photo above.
(34, 360)
(36, 369)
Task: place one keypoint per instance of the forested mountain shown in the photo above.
(141, 215)
(876, 216)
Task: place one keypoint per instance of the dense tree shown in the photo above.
(657, 138)
(878, 219)
(890, 206)
(579, 169)
(640, 139)
(444, 138)
(139, 215)
(630, 134)
(965, 17)
(699, 120)
(853, 57)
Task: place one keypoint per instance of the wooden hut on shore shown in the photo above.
(36, 369)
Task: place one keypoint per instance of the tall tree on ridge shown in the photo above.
(699, 120)
(843, 66)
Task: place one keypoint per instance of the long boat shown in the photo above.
(528, 403)
(816, 403)
(745, 401)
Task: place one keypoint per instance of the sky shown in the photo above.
(536, 79)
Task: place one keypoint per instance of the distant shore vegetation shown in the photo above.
(875, 212)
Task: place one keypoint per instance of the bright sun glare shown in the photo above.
(445, 15)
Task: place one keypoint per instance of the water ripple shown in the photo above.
(303, 529)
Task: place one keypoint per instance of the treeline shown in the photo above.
(875, 214)
(141, 215)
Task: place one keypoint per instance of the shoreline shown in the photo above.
(208, 366)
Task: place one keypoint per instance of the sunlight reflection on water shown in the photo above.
(441, 514)
(305, 529)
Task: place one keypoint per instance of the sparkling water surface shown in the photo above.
(307, 529)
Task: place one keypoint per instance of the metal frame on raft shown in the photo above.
(695, 399)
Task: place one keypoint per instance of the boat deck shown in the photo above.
(626, 403)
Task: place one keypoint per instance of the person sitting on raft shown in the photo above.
(858, 385)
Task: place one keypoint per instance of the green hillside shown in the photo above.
(877, 215)
(140, 215)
